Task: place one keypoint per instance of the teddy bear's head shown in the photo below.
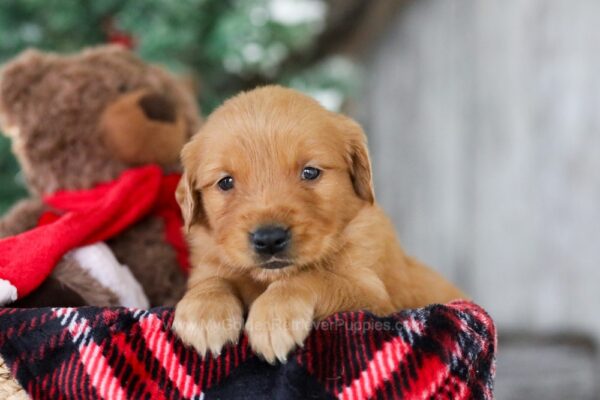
(82, 119)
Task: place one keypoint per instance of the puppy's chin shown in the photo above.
(245, 262)
(275, 263)
(266, 271)
(269, 275)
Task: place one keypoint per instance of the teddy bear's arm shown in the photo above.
(69, 284)
(22, 217)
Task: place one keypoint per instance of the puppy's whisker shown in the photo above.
(287, 214)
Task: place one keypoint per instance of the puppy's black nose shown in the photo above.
(157, 108)
(270, 240)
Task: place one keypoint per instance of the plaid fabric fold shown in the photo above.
(437, 352)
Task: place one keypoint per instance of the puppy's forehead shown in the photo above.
(272, 126)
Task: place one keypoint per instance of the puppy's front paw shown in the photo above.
(274, 327)
(208, 323)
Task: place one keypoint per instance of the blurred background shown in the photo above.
(484, 127)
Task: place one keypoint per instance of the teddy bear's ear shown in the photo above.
(17, 78)
(104, 50)
(112, 53)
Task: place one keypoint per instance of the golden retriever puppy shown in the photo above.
(280, 215)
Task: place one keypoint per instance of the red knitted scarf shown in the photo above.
(84, 217)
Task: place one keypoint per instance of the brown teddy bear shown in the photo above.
(78, 123)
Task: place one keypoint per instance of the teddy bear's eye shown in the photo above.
(122, 88)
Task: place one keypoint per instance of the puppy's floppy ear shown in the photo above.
(188, 196)
(358, 159)
(190, 202)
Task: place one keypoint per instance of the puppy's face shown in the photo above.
(273, 179)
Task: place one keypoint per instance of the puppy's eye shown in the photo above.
(310, 173)
(226, 183)
(122, 88)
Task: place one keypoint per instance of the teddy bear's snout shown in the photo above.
(157, 107)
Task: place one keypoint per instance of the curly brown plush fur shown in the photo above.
(82, 119)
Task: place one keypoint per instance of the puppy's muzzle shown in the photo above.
(270, 240)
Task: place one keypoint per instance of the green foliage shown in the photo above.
(11, 185)
(229, 45)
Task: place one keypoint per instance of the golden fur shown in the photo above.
(344, 253)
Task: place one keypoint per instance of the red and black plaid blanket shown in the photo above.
(438, 352)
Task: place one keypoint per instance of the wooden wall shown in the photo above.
(484, 122)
